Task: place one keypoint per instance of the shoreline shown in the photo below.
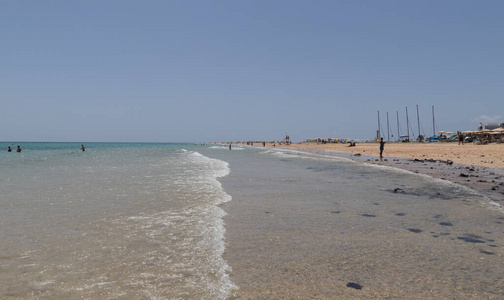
(282, 243)
(479, 176)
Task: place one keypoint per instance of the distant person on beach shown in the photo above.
(9, 149)
(382, 146)
(82, 148)
(460, 138)
(18, 149)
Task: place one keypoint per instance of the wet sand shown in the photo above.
(282, 249)
(479, 167)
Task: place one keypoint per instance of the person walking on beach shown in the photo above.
(382, 146)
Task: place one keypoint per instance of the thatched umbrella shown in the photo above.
(485, 131)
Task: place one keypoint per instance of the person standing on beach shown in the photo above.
(382, 146)
(460, 138)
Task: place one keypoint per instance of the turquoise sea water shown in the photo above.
(125, 221)
(146, 221)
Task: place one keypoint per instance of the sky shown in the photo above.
(230, 70)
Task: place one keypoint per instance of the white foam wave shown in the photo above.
(293, 153)
(496, 206)
(226, 148)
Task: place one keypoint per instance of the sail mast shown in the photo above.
(433, 122)
(379, 133)
(388, 133)
(418, 120)
(398, 131)
(407, 122)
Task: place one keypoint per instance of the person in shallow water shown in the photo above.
(229, 146)
(82, 148)
(18, 149)
(9, 149)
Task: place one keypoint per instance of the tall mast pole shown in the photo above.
(388, 133)
(379, 133)
(418, 120)
(433, 122)
(407, 123)
(398, 132)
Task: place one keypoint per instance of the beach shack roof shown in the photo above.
(498, 130)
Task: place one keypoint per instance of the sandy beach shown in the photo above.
(491, 155)
(324, 237)
(479, 167)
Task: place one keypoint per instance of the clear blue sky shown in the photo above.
(194, 71)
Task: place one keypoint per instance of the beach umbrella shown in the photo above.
(449, 132)
(441, 131)
(498, 130)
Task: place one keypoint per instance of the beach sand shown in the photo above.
(479, 167)
(491, 155)
(312, 259)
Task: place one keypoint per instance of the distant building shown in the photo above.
(490, 126)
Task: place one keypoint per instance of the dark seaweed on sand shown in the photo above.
(354, 285)
(471, 238)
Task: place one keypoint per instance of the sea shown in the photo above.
(149, 221)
